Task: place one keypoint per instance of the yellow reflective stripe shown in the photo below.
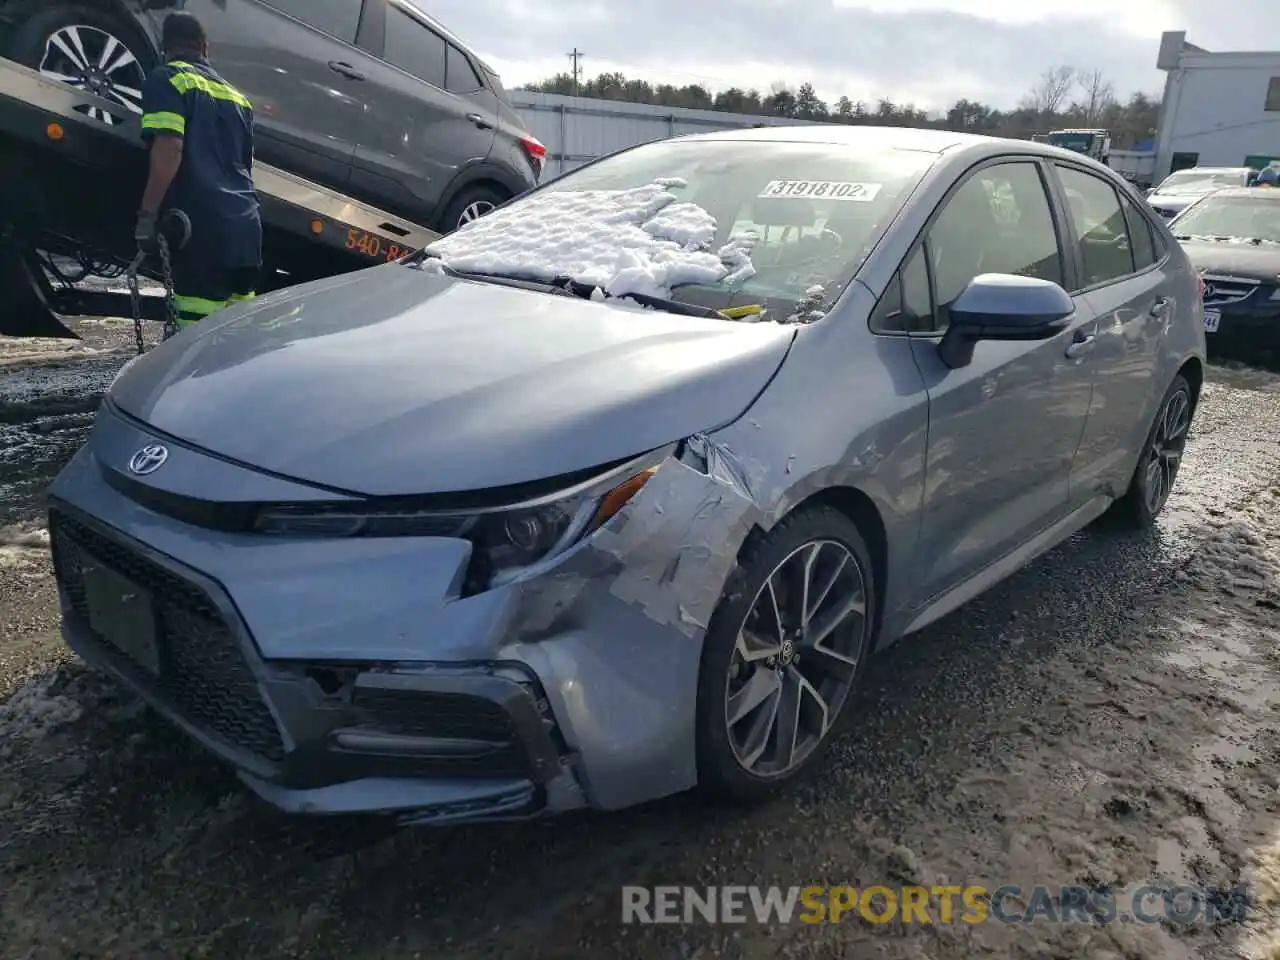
(238, 297)
(173, 122)
(197, 305)
(185, 82)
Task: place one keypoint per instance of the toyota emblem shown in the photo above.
(149, 459)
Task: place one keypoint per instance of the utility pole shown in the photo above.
(575, 58)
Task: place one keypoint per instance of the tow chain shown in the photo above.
(166, 267)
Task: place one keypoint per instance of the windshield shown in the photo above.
(1243, 218)
(782, 226)
(1192, 181)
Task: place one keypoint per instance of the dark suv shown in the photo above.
(369, 97)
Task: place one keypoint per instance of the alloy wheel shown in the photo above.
(796, 657)
(474, 211)
(1167, 447)
(92, 60)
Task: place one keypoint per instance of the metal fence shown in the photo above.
(576, 130)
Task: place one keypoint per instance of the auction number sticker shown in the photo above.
(819, 190)
(1211, 320)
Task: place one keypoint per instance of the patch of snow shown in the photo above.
(644, 240)
(35, 711)
(672, 182)
(1250, 241)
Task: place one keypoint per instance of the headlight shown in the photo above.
(506, 541)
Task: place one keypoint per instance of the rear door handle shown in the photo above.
(1082, 343)
(1160, 308)
(480, 120)
(346, 69)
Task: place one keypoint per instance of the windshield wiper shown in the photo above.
(588, 290)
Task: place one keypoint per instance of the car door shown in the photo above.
(417, 135)
(1003, 429)
(307, 113)
(1131, 292)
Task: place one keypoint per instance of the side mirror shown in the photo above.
(1002, 306)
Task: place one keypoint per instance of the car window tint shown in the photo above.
(461, 76)
(917, 298)
(999, 221)
(888, 317)
(414, 48)
(1100, 227)
(339, 18)
(1140, 241)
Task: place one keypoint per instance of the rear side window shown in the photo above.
(1101, 231)
(999, 221)
(1141, 243)
(338, 18)
(460, 76)
(414, 48)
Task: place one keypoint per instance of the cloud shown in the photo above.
(930, 52)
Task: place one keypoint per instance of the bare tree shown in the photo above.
(1047, 96)
(1097, 94)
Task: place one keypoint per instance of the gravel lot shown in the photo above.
(1106, 716)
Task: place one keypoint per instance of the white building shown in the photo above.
(1220, 109)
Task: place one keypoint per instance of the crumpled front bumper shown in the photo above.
(350, 677)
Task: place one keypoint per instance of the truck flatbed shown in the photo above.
(69, 184)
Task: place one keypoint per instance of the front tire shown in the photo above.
(784, 653)
(90, 50)
(1160, 459)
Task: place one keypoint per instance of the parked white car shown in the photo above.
(1181, 189)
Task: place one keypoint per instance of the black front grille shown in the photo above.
(204, 675)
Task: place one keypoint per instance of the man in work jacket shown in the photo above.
(199, 130)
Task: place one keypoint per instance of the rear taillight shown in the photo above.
(535, 151)
(1200, 281)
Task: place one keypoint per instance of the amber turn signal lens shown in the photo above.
(317, 227)
(620, 496)
(54, 131)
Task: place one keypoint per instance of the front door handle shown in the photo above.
(346, 69)
(480, 121)
(1083, 343)
(1160, 309)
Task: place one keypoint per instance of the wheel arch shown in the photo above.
(860, 508)
(14, 13)
(1193, 371)
(483, 174)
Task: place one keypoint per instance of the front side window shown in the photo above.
(414, 48)
(1100, 228)
(338, 18)
(811, 213)
(999, 221)
(1254, 218)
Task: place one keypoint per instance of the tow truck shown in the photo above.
(1092, 142)
(69, 185)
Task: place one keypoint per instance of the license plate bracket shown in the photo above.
(121, 613)
(1211, 320)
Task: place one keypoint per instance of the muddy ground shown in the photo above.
(1107, 716)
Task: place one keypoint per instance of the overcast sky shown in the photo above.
(931, 52)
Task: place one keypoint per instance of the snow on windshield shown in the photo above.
(644, 240)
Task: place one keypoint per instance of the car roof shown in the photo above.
(1213, 170)
(1266, 194)
(884, 138)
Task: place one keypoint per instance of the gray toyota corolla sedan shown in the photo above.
(613, 492)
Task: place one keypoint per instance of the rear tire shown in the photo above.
(1161, 457)
(90, 50)
(470, 204)
(747, 752)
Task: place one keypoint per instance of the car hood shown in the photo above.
(1235, 259)
(1173, 199)
(399, 381)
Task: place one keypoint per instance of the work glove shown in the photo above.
(144, 234)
